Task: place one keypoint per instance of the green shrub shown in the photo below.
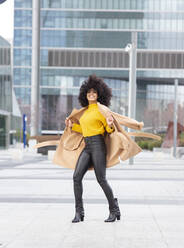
(148, 144)
(182, 139)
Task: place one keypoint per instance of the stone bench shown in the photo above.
(41, 138)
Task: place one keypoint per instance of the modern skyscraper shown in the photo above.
(79, 38)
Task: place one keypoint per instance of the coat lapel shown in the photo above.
(77, 113)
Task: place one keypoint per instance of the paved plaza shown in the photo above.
(37, 204)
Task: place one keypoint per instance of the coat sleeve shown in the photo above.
(106, 126)
(128, 122)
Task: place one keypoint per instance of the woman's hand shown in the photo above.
(141, 125)
(68, 122)
(110, 120)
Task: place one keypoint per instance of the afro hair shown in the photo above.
(103, 91)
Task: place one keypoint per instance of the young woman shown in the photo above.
(95, 139)
(93, 125)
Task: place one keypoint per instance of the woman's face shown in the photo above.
(92, 95)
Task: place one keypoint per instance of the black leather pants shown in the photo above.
(93, 153)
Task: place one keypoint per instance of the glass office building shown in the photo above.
(10, 116)
(82, 37)
(5, 92)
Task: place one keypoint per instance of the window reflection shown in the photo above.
(23, 4)
(22, 37)
(23, 18)
(22, 57)
(109, 4)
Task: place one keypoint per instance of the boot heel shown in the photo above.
(78, 217)
(118, 217)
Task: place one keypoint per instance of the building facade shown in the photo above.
(10, 116)
(5, 92)
(79, 38)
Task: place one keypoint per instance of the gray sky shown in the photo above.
(6, 19)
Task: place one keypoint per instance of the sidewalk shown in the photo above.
(37, 205)
(18, 156)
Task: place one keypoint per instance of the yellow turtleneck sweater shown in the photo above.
(92, 122)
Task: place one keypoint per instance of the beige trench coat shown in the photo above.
(119, 144)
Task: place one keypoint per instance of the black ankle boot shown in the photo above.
(79, 214)
(114, 212)
(78, 217)
(117, 207)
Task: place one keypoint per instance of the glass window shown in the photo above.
(127, 20)
(44, 57)
(121, 24)
(98, 4)
(81, 5)
(76, 82)
(68, 4)
(91, 4)
(22, 37)
(98, 23)
(127, 23)
(110, 23)
(140, 5)
(22, 76)
(133, 23)
(133, 4)
(127, 4)
(139, 24)
(146, 5)
(104, 4)
(22, 57)
(163, 5)
(115, 23)
(80, 23)
(122, 4)
(151, 5)
(116, 4)
(23, 4)
(74, 4)
(55, 4)
(110, 4)
(174, 26)
(23, 95)
(23, 18)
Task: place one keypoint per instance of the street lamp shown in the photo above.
(35, 77)
(24, 130)
(128, 47)
(131, 49)
(175, 117)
